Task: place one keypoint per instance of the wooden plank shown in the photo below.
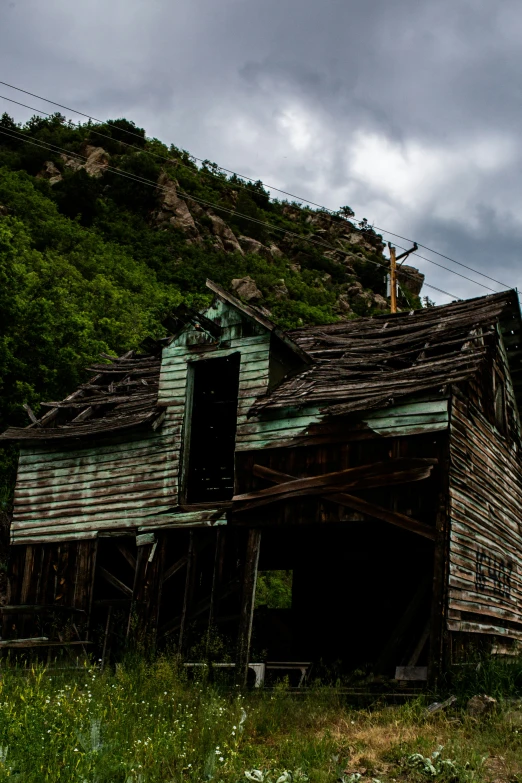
(358, 504)
(173, 569)
(393, 471)
(39, 642)
(127, 554)
(115, 582)
(187, 596)
(247, 605)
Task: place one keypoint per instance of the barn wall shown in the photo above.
(125, 482)
(485, 568)
(73, 493)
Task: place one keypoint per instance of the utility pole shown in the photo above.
(393, 279)
(393, 272)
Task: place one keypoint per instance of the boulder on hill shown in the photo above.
(410, 279)
(280, 290)
(251, 245)
(96, 161)
(173, 209)
(50, 172)
(246, 288)
(225, 236)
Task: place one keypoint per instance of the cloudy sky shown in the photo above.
(410, 111)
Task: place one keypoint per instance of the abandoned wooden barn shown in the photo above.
(377, 459)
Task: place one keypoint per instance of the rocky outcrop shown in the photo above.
(343, 305)
(225, 236)
(410, 279)
(173, 209)
(71, 162)
(280, 290)
(251, 245)
(96, 161)
(246, 288)
(380, 303)
(50, 172)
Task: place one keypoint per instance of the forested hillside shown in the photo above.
(104, 232)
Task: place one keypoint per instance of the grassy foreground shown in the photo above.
(146, 723)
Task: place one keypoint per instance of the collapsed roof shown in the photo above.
(370, 362)
(352, 366)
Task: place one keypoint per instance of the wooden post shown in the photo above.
(393, 279)
(216, 576)
(189, 580)
(247, 605)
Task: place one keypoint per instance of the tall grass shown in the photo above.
(147, 722)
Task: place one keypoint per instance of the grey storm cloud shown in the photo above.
(408, 111)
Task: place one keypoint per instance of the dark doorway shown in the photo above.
(210, 474)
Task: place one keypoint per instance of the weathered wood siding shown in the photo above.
(293, 426)
(109, 486)
(130, 481)
(485, 552)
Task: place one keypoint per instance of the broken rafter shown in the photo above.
(357, 504)
(391, 472)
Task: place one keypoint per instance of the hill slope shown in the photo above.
(103, 232)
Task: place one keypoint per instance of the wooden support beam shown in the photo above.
(216, 576)
(187, 598)
(358, 504)
(173, 569)
(407, 618)
(377, 474)
(419, 647)
(129, 557)
(384, 514)
(115, 582)
(247, 605)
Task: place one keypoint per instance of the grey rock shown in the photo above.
(50, 172)
(174, 209)
(481, 705)
(280, 290)
(97, 161)
(251, 245)
(71, 162)
(380, 302)
(343, 305)
(246, 288)
(275, 251)
(295, 267)
(410, 279)
(225, 234)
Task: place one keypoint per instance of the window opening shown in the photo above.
(274, 589)
(210, 474)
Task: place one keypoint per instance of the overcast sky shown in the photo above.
(410, 111)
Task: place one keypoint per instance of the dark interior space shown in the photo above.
(361, 596)
(213, 429)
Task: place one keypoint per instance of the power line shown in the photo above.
(271, 187)
(142, 180)
(431, 250)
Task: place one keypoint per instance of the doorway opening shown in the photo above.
(210, 470)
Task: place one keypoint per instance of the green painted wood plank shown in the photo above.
(430, 406)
